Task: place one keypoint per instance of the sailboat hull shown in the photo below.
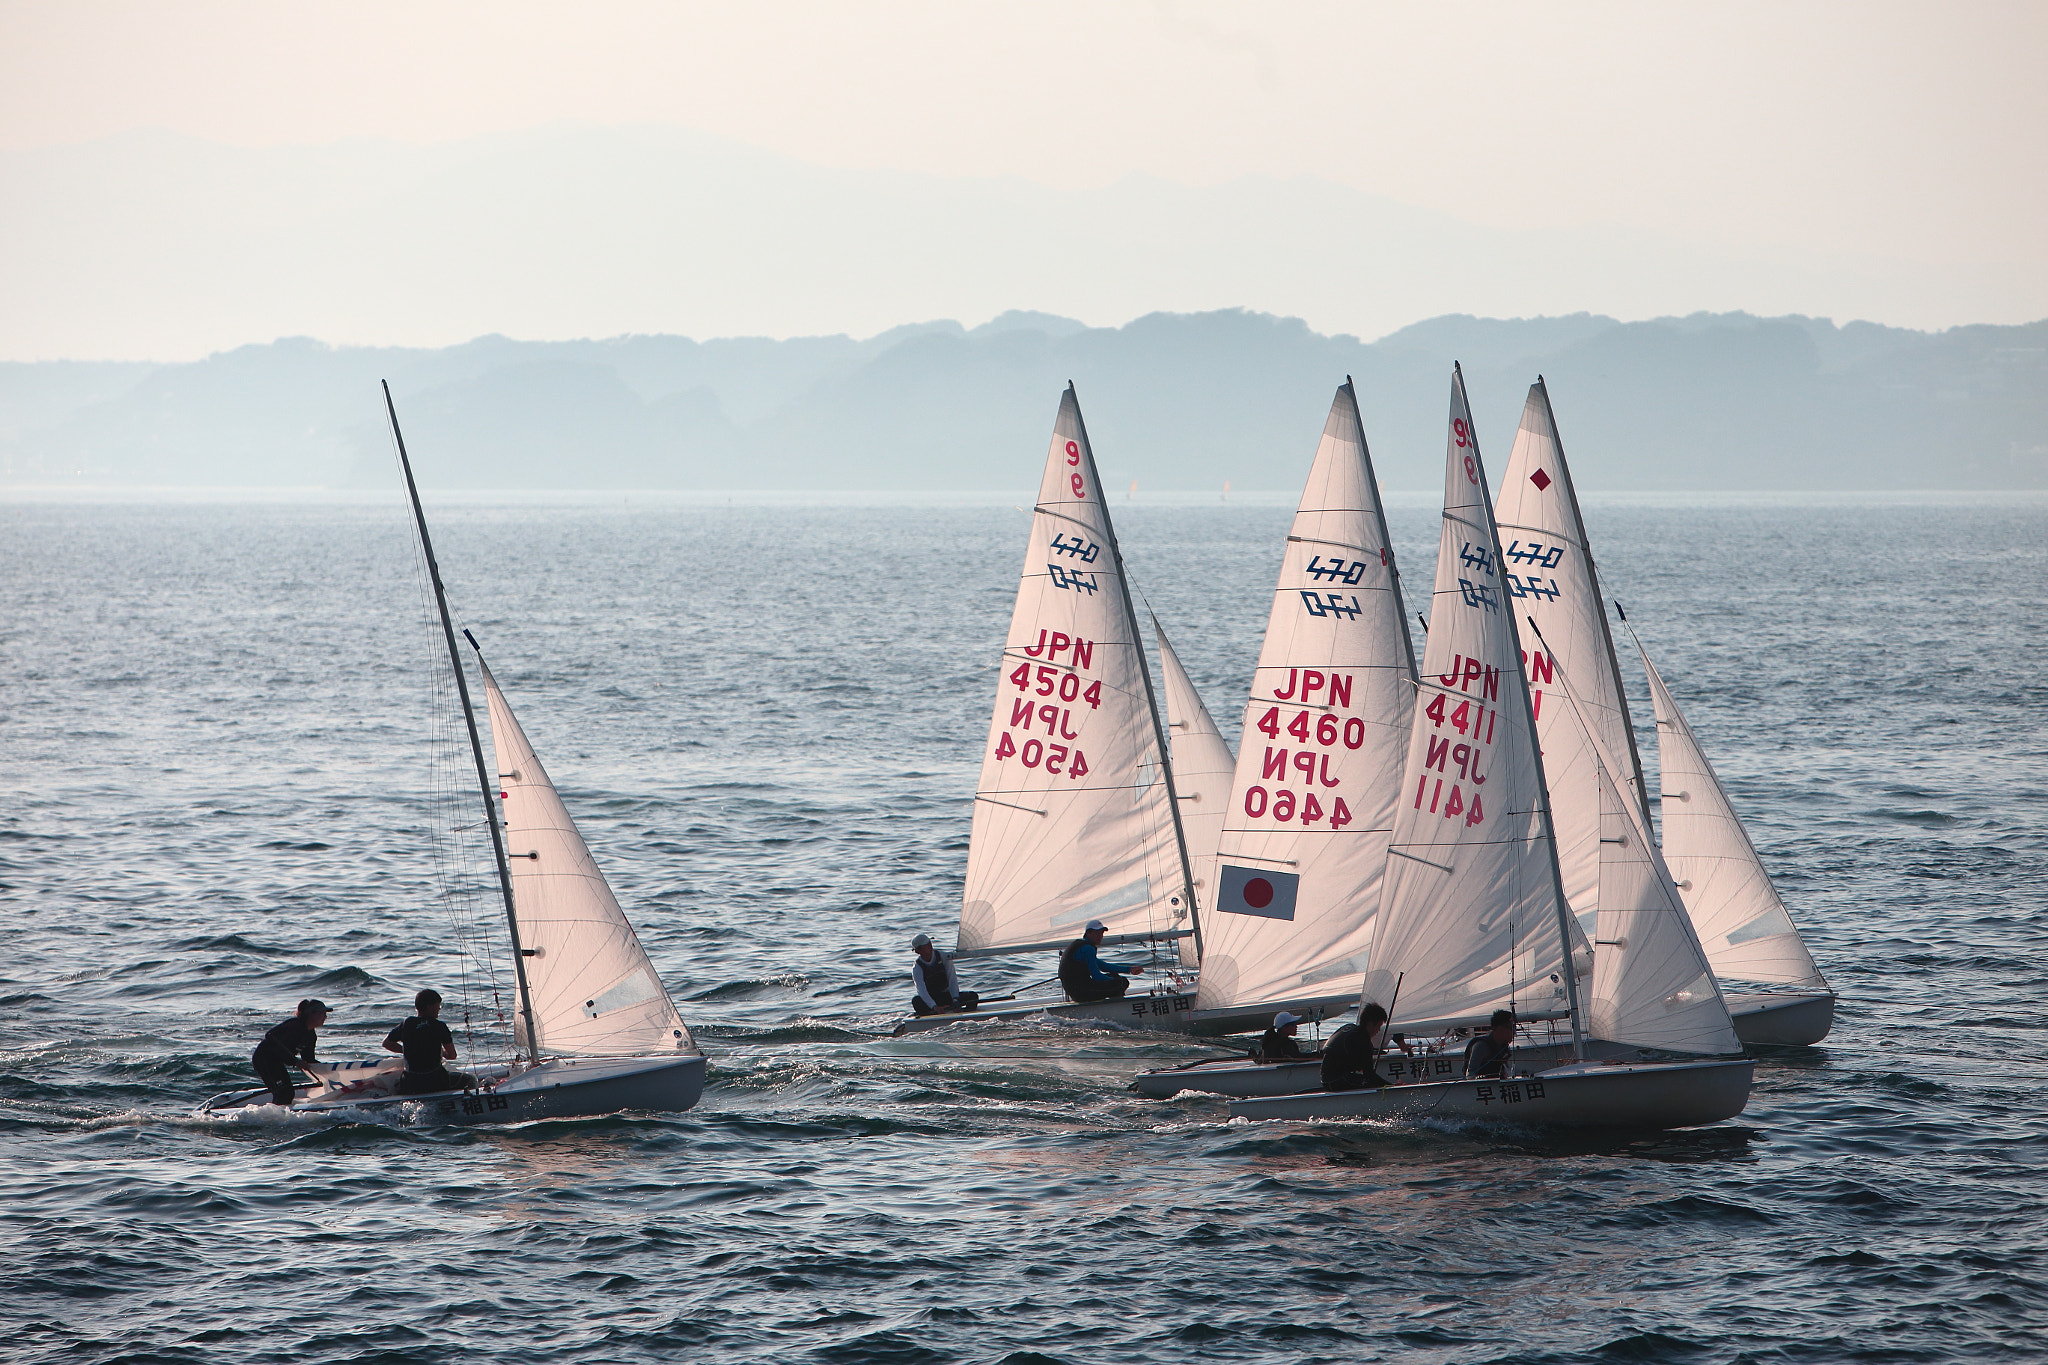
(1658, 1095)
(1165, 1012)
(1782, 1019)
(568, 1087)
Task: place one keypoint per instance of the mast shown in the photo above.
(1528, 719)
(1379, 516)
(1180, 838)
(1628, 728)
(485, 785)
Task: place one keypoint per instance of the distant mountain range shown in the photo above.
(1173, 401)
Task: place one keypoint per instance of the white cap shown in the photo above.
(921, 941)
(1283, 1019)
(1093, 925)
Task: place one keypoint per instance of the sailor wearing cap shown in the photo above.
(938, 985)
(288, 1043)
(1277, 1043)
(1083, 973)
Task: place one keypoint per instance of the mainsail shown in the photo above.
(1549, 574)
(591, 986)
(1742, 923)
(1472, 917)
(1202, 767)
(1074, 816)
(1304, 842)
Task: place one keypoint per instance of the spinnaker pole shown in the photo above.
(493, 818)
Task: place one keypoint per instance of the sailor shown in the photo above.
(428, 1047)
(1487, 1055)
(1277, 1043)
(938, 985)
(288, 1043)
(1348, 1056)
(1085, 976)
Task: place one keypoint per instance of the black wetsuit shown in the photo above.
(1347, 1061)
(1275, 1046)
(1486, 1059)
(291, 1041)
(426, 1068)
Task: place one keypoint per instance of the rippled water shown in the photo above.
(767, 718)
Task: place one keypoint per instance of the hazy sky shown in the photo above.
(1865, 160)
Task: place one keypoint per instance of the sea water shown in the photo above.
(767, 716)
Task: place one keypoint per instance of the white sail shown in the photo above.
(1073, 817)
(1202, 766)
(592, 988)
(1742, 923)
(1550, 576)
(1470, 919)
(1326, 730)
(1651, 984)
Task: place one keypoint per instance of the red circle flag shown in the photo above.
(1258, 893)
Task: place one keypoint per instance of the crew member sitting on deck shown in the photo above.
(1085, 976)
(428, 1047)
(1487, 1055)
(1348, 1056)
(292, 1041)
(938, 986)
(1277, 1043)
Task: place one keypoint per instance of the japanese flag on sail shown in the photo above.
(1256, 891)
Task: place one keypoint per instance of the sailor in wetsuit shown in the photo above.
(1085, 976)
(1348, 1056)
(1277, 1043)
(292, 1041)
(428, 1047)
(937, 984)
(1487, 1055)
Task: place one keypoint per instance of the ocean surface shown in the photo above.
(216, 796)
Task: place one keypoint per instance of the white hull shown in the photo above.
(1782, 1019)
(1165, 1012)
(1592, 1095)
(567, 1087)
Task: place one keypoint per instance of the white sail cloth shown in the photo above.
(1073, 819)
(592, 988)
(1471, 919)
(1742, 923)
(1304, 841)
(1651, 984)
(1550, 576)
(1202, 768)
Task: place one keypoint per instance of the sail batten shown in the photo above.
(1074, 818)
(1303, 839)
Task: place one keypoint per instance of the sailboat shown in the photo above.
(1473, 916)
(594, 1030)
(1742, 922)
(1303, 845)
(1076, 813)
(1551, 577)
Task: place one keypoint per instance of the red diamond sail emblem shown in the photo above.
(1540, 479)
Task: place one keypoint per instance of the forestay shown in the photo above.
(1304, 843)
(592, 988)
(1549, 574)
(1073, 815)
(1471, 918)
(1202, 767)
(1742, 923)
